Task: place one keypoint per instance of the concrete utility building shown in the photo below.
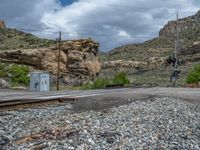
(39, 82)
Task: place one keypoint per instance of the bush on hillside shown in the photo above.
(194, 75)
(19, 75)
(121, 78)
(100, 83)
(97, 84)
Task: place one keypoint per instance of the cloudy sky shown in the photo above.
(110, 22)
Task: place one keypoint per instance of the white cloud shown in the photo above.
(124, 33)
(110, 22)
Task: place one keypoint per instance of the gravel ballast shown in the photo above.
(157, 123)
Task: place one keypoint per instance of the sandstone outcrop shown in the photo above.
(2, 24)
(151, 63)
(79, 61)
(191, 48)
(124, 64)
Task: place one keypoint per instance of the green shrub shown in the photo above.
(100, 83)
(87, 86)
(194, 75)
(19, 75)
(97, 84)
(121, 78)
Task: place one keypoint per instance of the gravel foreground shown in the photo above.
(159, 123)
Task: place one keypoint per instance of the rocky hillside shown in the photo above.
(189, 32)
(14, 39)
(147, 60)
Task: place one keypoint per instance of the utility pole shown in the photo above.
(175, 75)
(177, 46)
(58, 71)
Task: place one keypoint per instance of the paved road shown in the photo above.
(185, 93)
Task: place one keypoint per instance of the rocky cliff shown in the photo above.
(79, 61)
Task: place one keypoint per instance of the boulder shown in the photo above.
(4, 83)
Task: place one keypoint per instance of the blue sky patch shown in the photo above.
(66, 2)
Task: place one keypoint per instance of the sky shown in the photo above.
(112, 23)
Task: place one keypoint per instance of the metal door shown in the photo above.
(43, 82)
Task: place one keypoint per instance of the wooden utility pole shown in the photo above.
(58, 70)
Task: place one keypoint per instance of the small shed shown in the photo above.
(39, 81)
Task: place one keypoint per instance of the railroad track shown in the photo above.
(10, 99)
(16, 102)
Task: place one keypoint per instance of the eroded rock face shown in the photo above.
(151, 63)
(2, 24)
(79, 61)
(124, 64)
(191, 48)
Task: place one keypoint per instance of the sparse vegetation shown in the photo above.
(13, 39)
(97, 84)
(120, 79)
(194, 75)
